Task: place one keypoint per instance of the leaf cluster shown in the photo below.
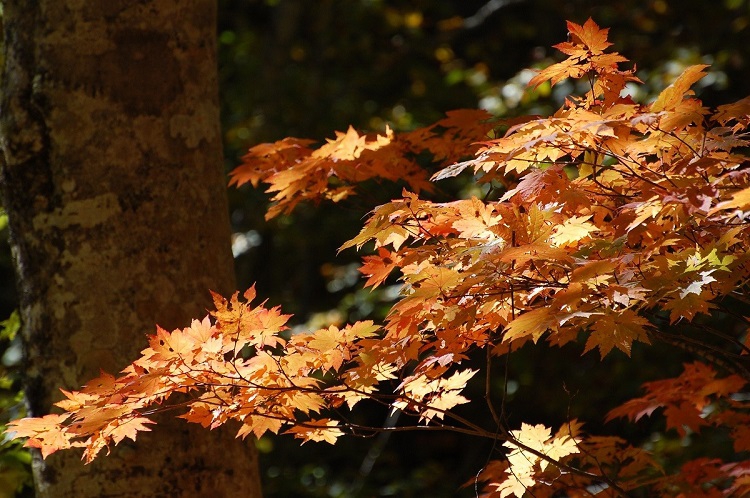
(619, 222)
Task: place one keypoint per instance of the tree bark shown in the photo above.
(112, 179)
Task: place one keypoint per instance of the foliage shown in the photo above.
(15, 461)
(609, 223)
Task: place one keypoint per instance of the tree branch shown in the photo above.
(485, 11)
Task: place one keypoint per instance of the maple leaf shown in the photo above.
(76, 400)
(433, 281)
(558, 448)
(329, 342)
(740, 200)
(538, 184)
(517, 484)
(201, 331)
(735, 110)
(381, 228)
(696, 286)
(259, 425)
(128, 428)
(590, 35)
(438, 395)
(587, 41)
(687, 305)
(476, 220)
(199, 413)
(441, 403)
(569, 68)
(296, 173)
(572, 230)
(672, 96)
(448, 394)
(683, 398)
(522, 463)
(453, 136)
(327, 339)
(263, 160)
(532, 323)
(360, 330)
(350, 145)
(684, 417)
(617, 330)
(170, 346)
(533, 436)
(318, 430)
(377, 268)
(43, 432)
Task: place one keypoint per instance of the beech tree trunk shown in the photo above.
(112, 179)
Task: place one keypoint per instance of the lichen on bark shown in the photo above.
(112, 179)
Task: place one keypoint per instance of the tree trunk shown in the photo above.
(112, 179)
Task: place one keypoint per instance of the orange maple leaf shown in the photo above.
(617, 330)
(590, 35)
(377, 268)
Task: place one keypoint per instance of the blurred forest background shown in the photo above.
(305, 68)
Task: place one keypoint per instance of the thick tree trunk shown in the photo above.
(111, 176)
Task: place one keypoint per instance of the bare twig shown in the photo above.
(485, 11)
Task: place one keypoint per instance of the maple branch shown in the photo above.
(711, 330)
(505, 381)
(582, 449)
(743, 298)
(605, 151)
(639, 164)
(679, 139)
(423, 229)
(613, 254)
(488, 386)
(414, 428)
(511, 290)
(504, 435)
(568, 468)
(706, 352)
(374, 453)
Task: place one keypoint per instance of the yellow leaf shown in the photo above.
(617, 330)
(671, 96)
(259, 425)
(572, 230)
(522, 462)
(129, 428)
(360, 330)
(327, 339)
(532, 323)
(318, 430)
(533, 436)
(740, 200)
(434, 281)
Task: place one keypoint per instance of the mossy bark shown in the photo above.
(112, 179)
